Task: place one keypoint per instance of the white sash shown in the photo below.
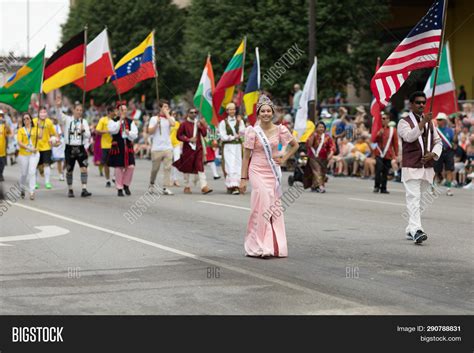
(194, 145)
(268, 153)
(387, 146)
(320, 146)
(420, 139)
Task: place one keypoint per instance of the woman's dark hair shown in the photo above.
(42, 107)
(321, 123)
(163, 102)
(23, 120)
(416, 94)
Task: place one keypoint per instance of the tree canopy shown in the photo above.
(347, 40)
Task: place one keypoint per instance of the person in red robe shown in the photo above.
(320, 149)
(192, 132)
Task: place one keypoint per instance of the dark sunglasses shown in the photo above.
(420, 102)
(193, 112)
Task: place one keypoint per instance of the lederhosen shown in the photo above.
(75, 153)
(121, 153)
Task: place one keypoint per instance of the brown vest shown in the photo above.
(411, 152)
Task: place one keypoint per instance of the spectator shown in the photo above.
(460, 162)
(462, 93)
(446, 160)
(296, 98)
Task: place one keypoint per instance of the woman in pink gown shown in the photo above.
(266, 227)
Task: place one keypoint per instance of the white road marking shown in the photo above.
(201, 259)
(45, 232)
(382, 202)
(225, 205)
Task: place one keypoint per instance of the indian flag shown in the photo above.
(233, 75)
(203, 96)
(445, 93)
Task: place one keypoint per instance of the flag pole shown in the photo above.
(85, 68)
(315, 87)
(440, 50)
(156, 72)
(243, 66)
(40, 95)
(112, 61)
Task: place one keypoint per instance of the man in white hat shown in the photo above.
(446, 160)
(231, 131)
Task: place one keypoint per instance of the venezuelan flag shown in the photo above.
(233, 75)
(137, 65)
(252, 91)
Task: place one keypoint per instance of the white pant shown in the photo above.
(28, 166)
(417, 198)
(176, 156)
(233, 164)
(202, 179)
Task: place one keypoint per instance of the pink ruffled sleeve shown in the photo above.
(285, 135)
(249, 139)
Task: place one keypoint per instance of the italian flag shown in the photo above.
(233, 75)
(445, 94)
(203, 96)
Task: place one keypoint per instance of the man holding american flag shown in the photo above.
(421, 144)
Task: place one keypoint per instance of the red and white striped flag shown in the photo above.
(375, 111)
(417, 51)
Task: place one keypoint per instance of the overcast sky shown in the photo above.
(46, 16)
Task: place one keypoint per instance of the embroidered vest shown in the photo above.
(412, 152)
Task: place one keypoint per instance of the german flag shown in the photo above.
(66, 65)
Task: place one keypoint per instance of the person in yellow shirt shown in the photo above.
(176, 150)
(106, 141)
(5, 132)
(360, 152)
(44, 145)
(28, 155)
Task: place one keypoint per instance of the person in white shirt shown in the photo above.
(76, 136)
(231, 131)
(421, 146)
(161, 148)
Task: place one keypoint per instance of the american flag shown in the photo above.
(418, 50)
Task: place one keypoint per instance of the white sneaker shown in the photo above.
(449, 192)
(468, 186)
(167, 192)
(61, 177)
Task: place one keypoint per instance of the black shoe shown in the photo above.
(85, 193)
(420, 237)
(217, 177)
(2, 178)
(376, 190)
(384, 192)
(120, 193)
(127, 190)
(70, 193)
(22, 194)
(108, 184)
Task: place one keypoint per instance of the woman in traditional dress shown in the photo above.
(320, 148)
(266, 227)
(124, 132)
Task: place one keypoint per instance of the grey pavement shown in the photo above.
(184, 254)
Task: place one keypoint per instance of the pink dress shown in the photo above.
(266, 227)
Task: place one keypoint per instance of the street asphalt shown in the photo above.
(183, 254)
